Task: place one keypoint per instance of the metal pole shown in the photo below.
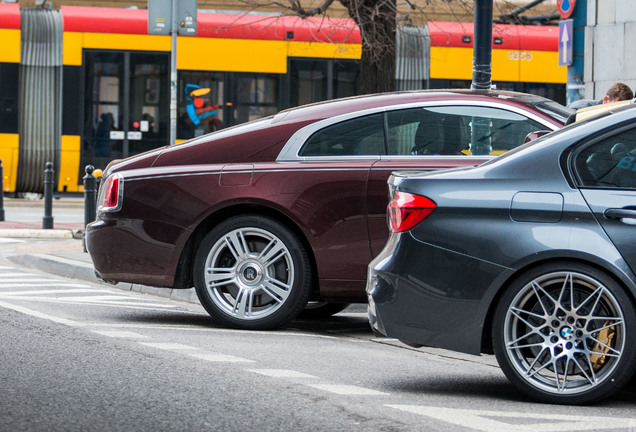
(47, 220)
(482, 49)
(1, 192)
(173, 76)
(575, 87)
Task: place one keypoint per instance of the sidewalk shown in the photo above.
(61, 250)
(24, 218)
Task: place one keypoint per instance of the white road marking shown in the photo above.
(212, 357)
(124, 302)
(281, 373)
(347, 390)
(50, 291)
(22, 281)
(168, 346)
(120, 334)
(484, 421)
(40, 284)
(37, 314)
(107, 298)
(21, 274)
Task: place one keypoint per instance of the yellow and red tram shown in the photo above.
(111, 85)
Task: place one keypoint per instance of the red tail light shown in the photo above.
(111, 194)
(407, 210)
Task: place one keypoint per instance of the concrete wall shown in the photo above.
(610, 45)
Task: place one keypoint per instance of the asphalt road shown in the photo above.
(83, 356)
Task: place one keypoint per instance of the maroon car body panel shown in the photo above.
(173, 196)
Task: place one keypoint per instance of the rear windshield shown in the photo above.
(555, 110)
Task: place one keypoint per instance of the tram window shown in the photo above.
(308, 81)
(346, 79)
(256, 96)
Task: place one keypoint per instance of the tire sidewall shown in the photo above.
(619, 376)
(301, 285)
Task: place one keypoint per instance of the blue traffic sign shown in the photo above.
(565, 42)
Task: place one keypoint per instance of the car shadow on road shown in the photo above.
(494, 388)
(458, 386)
(345, 324)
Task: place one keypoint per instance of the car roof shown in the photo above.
(319, 110)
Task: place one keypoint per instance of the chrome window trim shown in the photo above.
(289, 152)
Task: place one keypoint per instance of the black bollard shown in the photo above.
(47, 220)
(1, 192)
(90, 199)
(90, 195)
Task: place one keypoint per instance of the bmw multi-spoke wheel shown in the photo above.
(565, 334)
(251, 272)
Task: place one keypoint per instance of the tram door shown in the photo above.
(126, 105)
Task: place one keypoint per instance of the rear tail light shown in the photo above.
(407, 210)
(111, 193)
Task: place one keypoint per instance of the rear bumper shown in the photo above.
(424, 295)
(123, 251)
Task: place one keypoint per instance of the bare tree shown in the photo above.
(377, 22)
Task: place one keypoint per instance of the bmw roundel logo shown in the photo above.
(566, 333)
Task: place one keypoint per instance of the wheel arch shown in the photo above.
(184, 278)
(612, 272)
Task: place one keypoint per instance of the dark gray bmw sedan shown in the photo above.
(531, 256)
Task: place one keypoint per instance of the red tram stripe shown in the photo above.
(230, 26)
(512, 37)
(10, 16)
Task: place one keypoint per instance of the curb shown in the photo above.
(84, 271)
(41, 233)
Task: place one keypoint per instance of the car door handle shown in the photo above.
(620, 213)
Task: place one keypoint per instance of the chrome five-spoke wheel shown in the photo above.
(565, 334)
(252, 272)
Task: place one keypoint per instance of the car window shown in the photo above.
(457, 130)
(358, 136)
(610, 162)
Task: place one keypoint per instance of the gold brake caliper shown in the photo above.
(605, 338)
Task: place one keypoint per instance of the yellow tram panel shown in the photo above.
(235, 55)
(507, 65)
(10, 52)
(68, 180)
(324, 50)
(9, 152)
(543, 67)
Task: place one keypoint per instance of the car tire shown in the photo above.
(252, 272)
(320, 310)
(565, 333)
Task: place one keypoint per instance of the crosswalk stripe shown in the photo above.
(120, 334)
(281, 373)
(220, 358)
(347, 390)
(501, 421)
(23, 293)
(168, 346)
(30, 280)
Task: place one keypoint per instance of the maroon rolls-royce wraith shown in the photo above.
(267, 216)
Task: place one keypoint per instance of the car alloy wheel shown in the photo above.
(565, 334)
(251, 272)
